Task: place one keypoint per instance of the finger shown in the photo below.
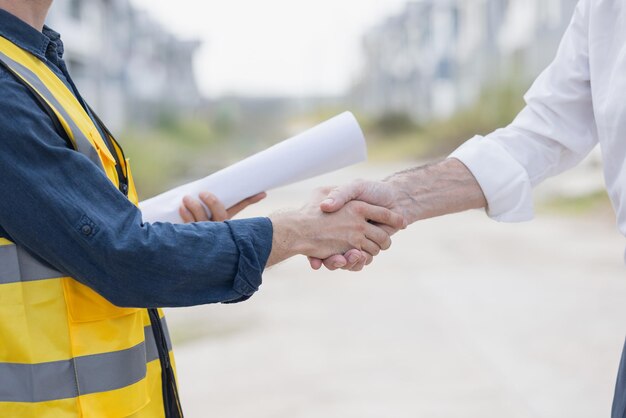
(339, 196)
(389, 230)
(368, 259)
(377, 235)
(382, 215)
(354, 258)
(315, 263)
(371, 247)
(196, 209)
(362, 260)
(185, 215)
(322, 192)
(234, 210)
(217, 209)
(335, 262)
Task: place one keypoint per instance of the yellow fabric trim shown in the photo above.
(87, 306)
(32, 312)
(51, 409)
(116, 403)
(112, 334)
(4, 241)
(154, 409)
(120, 156)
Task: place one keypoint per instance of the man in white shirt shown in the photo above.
(576, 103)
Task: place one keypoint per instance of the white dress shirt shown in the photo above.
(576, 103)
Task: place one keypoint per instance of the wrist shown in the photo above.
(406, 193)
(288, 238)
(435, 190)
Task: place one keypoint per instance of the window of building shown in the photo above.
(76, 9)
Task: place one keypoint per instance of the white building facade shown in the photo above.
(437, 56)
(126, 65)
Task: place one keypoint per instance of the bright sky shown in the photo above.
(274, 47)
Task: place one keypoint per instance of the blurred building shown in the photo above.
(128, 67)
(437, 56)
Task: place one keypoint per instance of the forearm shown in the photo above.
(435, 190)
(167, 265)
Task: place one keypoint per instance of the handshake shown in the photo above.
(345, 227)
(342, 227)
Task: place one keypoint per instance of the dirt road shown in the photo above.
(463, 317)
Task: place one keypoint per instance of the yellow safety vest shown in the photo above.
(65, 351)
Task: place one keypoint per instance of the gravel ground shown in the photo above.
(463, 317)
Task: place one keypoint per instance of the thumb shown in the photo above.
(339, 196)
(315, 263)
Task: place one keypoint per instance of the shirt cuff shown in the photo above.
(502, 178)
(253, 238)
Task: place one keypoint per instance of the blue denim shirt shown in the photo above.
(48, 192)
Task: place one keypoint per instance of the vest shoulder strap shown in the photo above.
(44, 105)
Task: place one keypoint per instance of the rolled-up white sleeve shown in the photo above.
(503, 180)
(554, 132)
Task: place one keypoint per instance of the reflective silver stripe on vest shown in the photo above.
(82, 143)
(80, 376)
(17, 265)
(152, 353)
(9, 266)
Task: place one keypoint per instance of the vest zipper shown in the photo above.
(171, 400)
(108, 140)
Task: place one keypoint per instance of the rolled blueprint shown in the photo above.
(329, 146)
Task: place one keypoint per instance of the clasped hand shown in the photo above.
(346, 235)
(358, 226)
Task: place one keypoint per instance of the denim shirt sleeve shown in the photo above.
(49, 193)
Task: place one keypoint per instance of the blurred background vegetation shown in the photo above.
(176, 149)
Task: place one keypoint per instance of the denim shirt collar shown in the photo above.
(43, 45)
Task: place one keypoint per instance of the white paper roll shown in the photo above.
(329, 146)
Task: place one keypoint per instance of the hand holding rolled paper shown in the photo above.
(329, 146)
(194, 210)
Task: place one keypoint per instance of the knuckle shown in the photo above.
(325, 189)
(358, 184)
(359, 208)
(383, 216)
